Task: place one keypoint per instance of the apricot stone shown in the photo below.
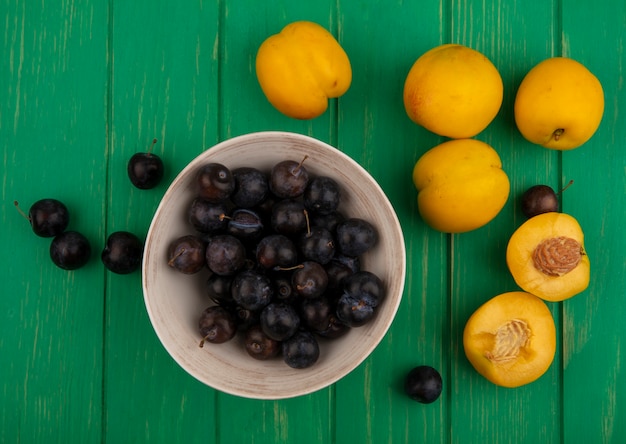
(547, 258)
(511, 339)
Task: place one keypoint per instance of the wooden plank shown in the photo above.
(244, 109)
(86, 84)
(375, 130)
(53, 144)
(164, 85)
(514, 36)
(594, 387)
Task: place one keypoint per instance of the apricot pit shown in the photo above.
(547, 258)
(511, 339)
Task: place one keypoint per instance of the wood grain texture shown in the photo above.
(51, 320)
(84, 84)
(309, 419)
(388, 144)
(593, 327)
(524, 32)
(164, 85)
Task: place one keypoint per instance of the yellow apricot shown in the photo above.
(546, 257)
(453, 91)
(461, 185)
(559, 104)
(300, 68)
(511, 339)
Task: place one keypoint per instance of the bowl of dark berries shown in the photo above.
(273, 267)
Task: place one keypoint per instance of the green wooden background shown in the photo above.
(86, 83)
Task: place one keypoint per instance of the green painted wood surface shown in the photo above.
(86, 83)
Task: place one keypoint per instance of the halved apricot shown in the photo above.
(547, 257)
(511, 339)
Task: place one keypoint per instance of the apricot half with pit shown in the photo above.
(546, 256)
(511, 339)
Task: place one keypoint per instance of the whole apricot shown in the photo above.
(559, 104)
(511, 339)
(461, 185)
(546, 257)
(453, 91)
(300, 68)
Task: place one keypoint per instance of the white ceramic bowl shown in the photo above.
(174, 301)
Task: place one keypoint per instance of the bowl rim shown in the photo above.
(205, 156)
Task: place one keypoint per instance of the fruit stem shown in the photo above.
(151, 147)
(558, 133)
(359, 305)
(17, 205)
(176, 256)
(295, 267)
(297, 169)
(202, 341)
(308, 222)
(569, 184)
